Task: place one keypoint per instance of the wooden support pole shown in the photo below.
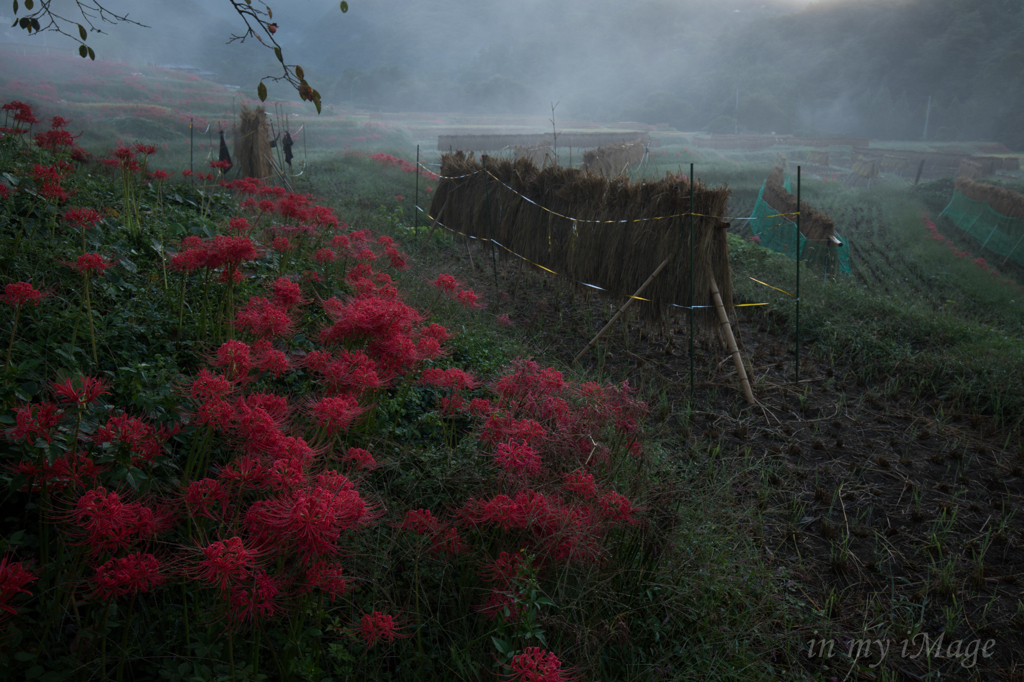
(622, 310)
(726, 328)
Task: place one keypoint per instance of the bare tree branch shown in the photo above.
(258, 18)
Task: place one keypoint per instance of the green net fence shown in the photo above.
(994, 231)
(779, 234)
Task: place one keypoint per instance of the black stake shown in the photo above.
(798, 238)
(691, 287)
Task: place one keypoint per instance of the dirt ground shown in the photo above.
(893, 515)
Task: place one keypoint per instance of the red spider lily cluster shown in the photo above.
(256, 499)
(966, 255)
(394, 162)
(453, 289)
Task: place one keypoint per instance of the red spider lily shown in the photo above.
(517, 459)
(324, 256)
(581, 483)
(286, 293)
(480, 406)
(503, 569)
(373, 317)
(144, 149)
(379, 627)
(537, 665)
(420, 521)
(312, 519)
(259, 432)
(446, 284)
(326, 576)
(128, 575)
(142, 440)
(447, 541)
(235, 359)
(4, 192)
(281, 244)
(109, 524)
(190, 260)
(349, 372)
(226, 563)
(503, 319)
(13, 579)
(89, 263)
(208, 386)
(468, 298)
(223, 166)
(247, 471)
(37, 420)
(160, 175)
(249, 606)
(73, 470)
(617, 508)
(216, 413)
(362, 459)
(504, 428)
(81, 217)
(324, 217)
(201, 496)
(335, 413)
(232, 251)
(451, 405)
(239, 224)
(435, 331)
(454, 379)
(88, 393)
(270, 360)
(55, 140)
(18, 294)
(264, 319)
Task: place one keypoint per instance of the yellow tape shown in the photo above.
(771, 287)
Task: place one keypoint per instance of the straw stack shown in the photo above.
(968, 170)
(618, 255)
(1001, 200)
(865, 167)
(611, 161)
(252, 142)
(540, 154)
(814, 225)
(818, 157)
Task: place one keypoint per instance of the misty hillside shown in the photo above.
(864, 68)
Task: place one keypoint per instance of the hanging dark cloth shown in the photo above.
(225, 155)
(287, 144)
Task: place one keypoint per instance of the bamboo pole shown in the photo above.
(623, 309)
(726, 328)
(433, 225)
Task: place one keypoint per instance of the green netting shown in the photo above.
(994, 231)
(779, 234)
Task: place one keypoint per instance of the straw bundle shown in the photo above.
(895, 163)
(252, 142)
(866, 168)
(1001, 200)
(968, 170)
(781, 162)
(818, 157)
(540, 154)
(612, 161)
(617, 256)
(814, 225)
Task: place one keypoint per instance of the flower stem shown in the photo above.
(92, 328)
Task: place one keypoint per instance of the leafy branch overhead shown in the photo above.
(258, 18)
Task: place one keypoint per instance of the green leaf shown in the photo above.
(83, 52)
(25, 656)
(15, 6)
(29, 4)
(92, 54)
(299, 73)
(81, 32)
(277, 53)
(36, 670)
(501, 645)
(344, 6)
(261, 92)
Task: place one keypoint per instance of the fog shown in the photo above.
(853, 67)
